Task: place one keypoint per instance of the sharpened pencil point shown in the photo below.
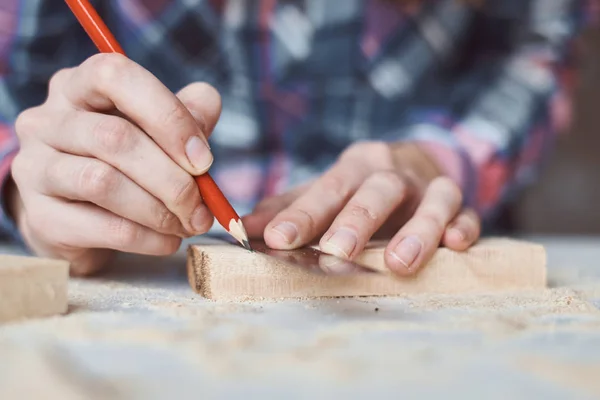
(246, 245)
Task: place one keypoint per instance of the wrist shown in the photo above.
(12, 198)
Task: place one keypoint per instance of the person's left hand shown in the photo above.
(374, 190)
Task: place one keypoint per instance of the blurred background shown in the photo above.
(566, 200)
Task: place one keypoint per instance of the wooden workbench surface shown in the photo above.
(140, 332)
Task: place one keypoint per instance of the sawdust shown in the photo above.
(551, 301)
(209, 336)
(581, 377)
(54, 376)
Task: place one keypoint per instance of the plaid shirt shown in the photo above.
(484, 89)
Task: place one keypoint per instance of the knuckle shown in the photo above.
(336, 185)
(55, 170)
(356, 148)
(165, 220)
(125, 233)
(380, 155)
(106, 66)
(377, 154)
(183, 193)
(432, 221)
(377, 148)
(113, 135)
(58, 79)
(175, 116)
(97, 180)
(26, 123)
(363, 212)
(391, 180)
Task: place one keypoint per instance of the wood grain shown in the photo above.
(32, 287)
(227, 272)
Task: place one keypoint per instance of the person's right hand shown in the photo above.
(107, 162)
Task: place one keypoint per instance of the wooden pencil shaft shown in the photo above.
(94, 26)
(212, 195)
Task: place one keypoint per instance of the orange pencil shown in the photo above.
(211, 194)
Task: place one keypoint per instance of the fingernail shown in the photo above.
(287, 231)
(199, 219)
(342, 243)
(407, 250)
(458, 232)
(198, 153)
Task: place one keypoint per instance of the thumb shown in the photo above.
(204, 103)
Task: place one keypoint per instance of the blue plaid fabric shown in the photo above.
(483, 86)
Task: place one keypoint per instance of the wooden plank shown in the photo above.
(32, 287)
(227, 272)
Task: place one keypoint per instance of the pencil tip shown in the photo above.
(246, 245)
(237, 230)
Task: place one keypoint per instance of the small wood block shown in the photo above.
(32, 287)
(228, 272)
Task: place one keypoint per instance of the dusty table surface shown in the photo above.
(139, 332)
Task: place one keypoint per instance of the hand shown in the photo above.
(106, 164)
(374, 190)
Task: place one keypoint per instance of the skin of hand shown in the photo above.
(375, 190)
(106, 164)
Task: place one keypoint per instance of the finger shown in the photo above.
(463, 231)
(83, 262)
(87, 226)
(90, 261)
(267, 209)
(57, 82)
(364, 214)
(107, 81)
(204, 103)
(419, 238)
(312, 213)
(124, 146)
(91, 180)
